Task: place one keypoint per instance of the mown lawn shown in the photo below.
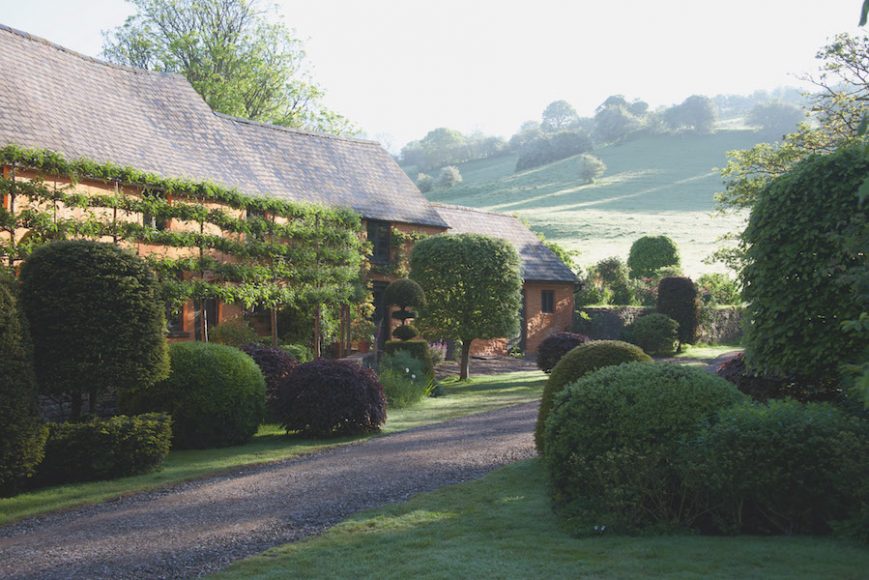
(502, 527)
(484, 393)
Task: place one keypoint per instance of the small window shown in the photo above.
(174, 321)
(378, 235)
(547, 301)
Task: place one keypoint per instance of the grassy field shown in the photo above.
(484, 393)
(662, 184)
(502, 527)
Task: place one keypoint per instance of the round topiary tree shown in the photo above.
(404, 293)
(678, 298)
(651, 253)
(215, 394)
(22, 434)
(96, 318)
(327, 398)
(657, 334)
(556, 346)
(275, 365)
(577, 363)
(806, 261)
(473, 286)
(612, 437)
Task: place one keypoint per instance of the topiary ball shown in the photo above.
(404, 293)
(577, 363)
(678, 298)
(405, 332)
(612, 437)
(214, 393)
(650, 254)
(275, 364)
(556, 346)
(657, 334)
(328, 398)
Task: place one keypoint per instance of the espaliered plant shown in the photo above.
(249, 250)
(404, 293)
(678, 298)
(22, 434)
(97, 321)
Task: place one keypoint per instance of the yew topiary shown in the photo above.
(657, 334)
(650, 254)
(404, 293)
(327, 398)
(678, 298)
(576, 364)
(22, 434)
(215, 394)
(97, 320)
(275, 365)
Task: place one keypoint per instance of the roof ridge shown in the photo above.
(295, 130)
(71, 52)
(473, 209)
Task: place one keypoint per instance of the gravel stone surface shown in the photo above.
(199, 527)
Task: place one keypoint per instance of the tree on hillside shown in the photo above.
(558, 115)
(449, 176)
(591, 168)
(613, 101)
(242, 62)
(775, 119)
(473, 288)
(614, 124)
(696, 113)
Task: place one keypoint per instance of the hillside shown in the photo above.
(661, 184)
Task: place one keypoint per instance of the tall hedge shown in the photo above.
(97, 320)
(678, 298)
(22, 434)
(804, 266)
(651, 253)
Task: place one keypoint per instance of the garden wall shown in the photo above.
(719, 325)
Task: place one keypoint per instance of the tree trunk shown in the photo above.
(274, 321)
(75, 405)
(317, 333)
(465, 365)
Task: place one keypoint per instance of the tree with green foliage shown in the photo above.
(449, 176)
(473, 288)
(558, 115)
(650, 254)
(235, 55)
(696, 113)
(615, 123)
(591, 167)
(775, 119)
(804, 274)
(22, 434)
(97, 320)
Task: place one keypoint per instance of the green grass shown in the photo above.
(661, 184)
(481, 394)
(502, 527)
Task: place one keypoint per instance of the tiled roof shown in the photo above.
(53, 98)
(539, 264)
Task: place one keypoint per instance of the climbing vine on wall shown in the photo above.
(399, 263)
(221, 243)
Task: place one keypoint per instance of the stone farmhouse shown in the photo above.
(57, 100)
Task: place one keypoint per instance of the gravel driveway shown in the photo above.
(202, 526)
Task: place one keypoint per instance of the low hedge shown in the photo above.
(215, 394)
(104, 448)
(783, 467)
(656, 334)
(576, 364)
(611, 442)
(418, 348)
(275, 365)
(328, 398)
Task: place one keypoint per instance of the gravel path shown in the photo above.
(202, 526)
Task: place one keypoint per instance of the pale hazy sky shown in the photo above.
(398, 68)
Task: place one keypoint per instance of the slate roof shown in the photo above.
(56, 99)
(539, 264)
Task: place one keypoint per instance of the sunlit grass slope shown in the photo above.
(662, 184)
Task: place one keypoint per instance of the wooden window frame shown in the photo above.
(547, 301)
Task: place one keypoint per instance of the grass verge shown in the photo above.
(484, 393)
(502, 526)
